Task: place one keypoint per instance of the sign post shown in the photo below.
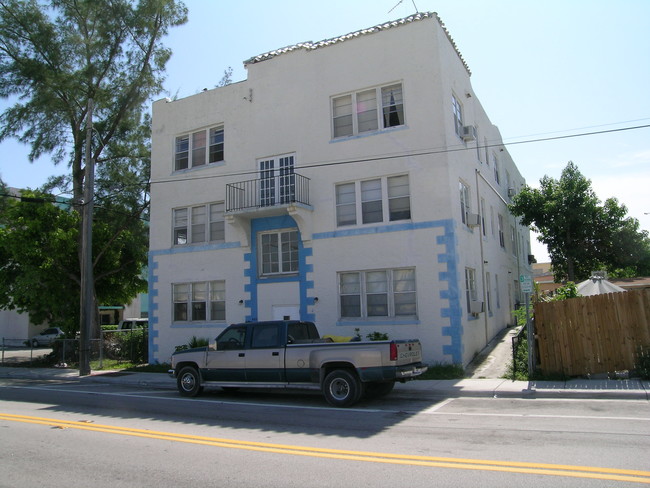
(526, 284)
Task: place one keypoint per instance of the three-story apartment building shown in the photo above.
(356, 182)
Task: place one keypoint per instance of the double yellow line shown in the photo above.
(611, 474)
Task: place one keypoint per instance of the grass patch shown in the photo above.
(440, 371)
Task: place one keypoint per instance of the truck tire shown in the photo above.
(189, 382)
(342, 388)
(379, 389)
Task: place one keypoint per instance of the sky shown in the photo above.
(564, 80)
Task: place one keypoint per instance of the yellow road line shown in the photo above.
(612, 474)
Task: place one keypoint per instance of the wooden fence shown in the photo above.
(591, 335)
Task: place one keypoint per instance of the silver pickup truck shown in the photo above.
(291, 354)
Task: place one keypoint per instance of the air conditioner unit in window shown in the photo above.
(473, 220)
(469, 133)
(511, 192)
(476, 306)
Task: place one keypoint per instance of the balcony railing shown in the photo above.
(267, 192)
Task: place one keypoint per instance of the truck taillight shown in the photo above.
(393, 351)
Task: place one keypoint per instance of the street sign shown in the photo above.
(526, 283)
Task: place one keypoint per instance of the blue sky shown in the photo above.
(540, 69)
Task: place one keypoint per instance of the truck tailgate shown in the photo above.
(408, 352)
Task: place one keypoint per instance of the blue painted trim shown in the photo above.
(154, 333)
(454, 311)
(195, 248)
(305, 285)
(380, 229)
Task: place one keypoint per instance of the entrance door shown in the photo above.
(277, 181)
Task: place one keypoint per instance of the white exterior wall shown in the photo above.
(285, 108)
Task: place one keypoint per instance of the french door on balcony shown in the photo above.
(277, 181)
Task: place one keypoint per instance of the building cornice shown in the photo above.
(310, 46)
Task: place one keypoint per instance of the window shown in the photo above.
(384, 199)
(202, 223)
(502, 241)
(233, 338)
(279, 252)
(368, 110)
(265, 336)
(488, 292)
(200, 301)
(495, 165)
(457, 111)
(483, 216)
(464, 202)
(377, 293)
(277, 180)
(470, 287)
(204, 146)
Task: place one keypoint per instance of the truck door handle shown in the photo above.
(276, 353)
(242, 354)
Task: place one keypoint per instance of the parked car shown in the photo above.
(47, 337)
(291, 354)
(130, 324)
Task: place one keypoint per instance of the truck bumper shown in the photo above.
(410, 371)
(392, 373)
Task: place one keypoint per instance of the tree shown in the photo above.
(581, 234)
(54, 59)
(43, 278)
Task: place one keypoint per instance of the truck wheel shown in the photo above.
(342, 388)
(189, 382)
(376, 390)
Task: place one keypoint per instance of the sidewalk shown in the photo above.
(481, 388)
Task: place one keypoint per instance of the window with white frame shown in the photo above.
(378, 293)
(199, 148)
(199, 301)
(278, 252)
(200, 223)
(470, 287)
(385, 199)
(464, 202)
(367, 110)
(457, 111)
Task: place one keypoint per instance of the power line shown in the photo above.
(411, 154)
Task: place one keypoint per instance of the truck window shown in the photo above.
(232, 339)
(301, 332)
(266, 336)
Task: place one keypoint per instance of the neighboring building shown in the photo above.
(543, 277)
(356, 182)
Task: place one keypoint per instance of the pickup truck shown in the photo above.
(291, 354)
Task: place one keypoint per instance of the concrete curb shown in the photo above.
(478, 388)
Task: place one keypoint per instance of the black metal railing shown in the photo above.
(267, 192)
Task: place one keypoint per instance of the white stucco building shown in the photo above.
(356, 182)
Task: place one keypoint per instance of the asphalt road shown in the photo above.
(61, 434)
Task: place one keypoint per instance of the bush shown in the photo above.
(643, 363)
(194, 342)
(377, 336)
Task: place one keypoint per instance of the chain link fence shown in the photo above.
(128, 346)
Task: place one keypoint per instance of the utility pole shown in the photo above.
(87, 296)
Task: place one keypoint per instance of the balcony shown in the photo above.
(267, 193)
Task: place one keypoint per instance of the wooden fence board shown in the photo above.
(592, 335)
